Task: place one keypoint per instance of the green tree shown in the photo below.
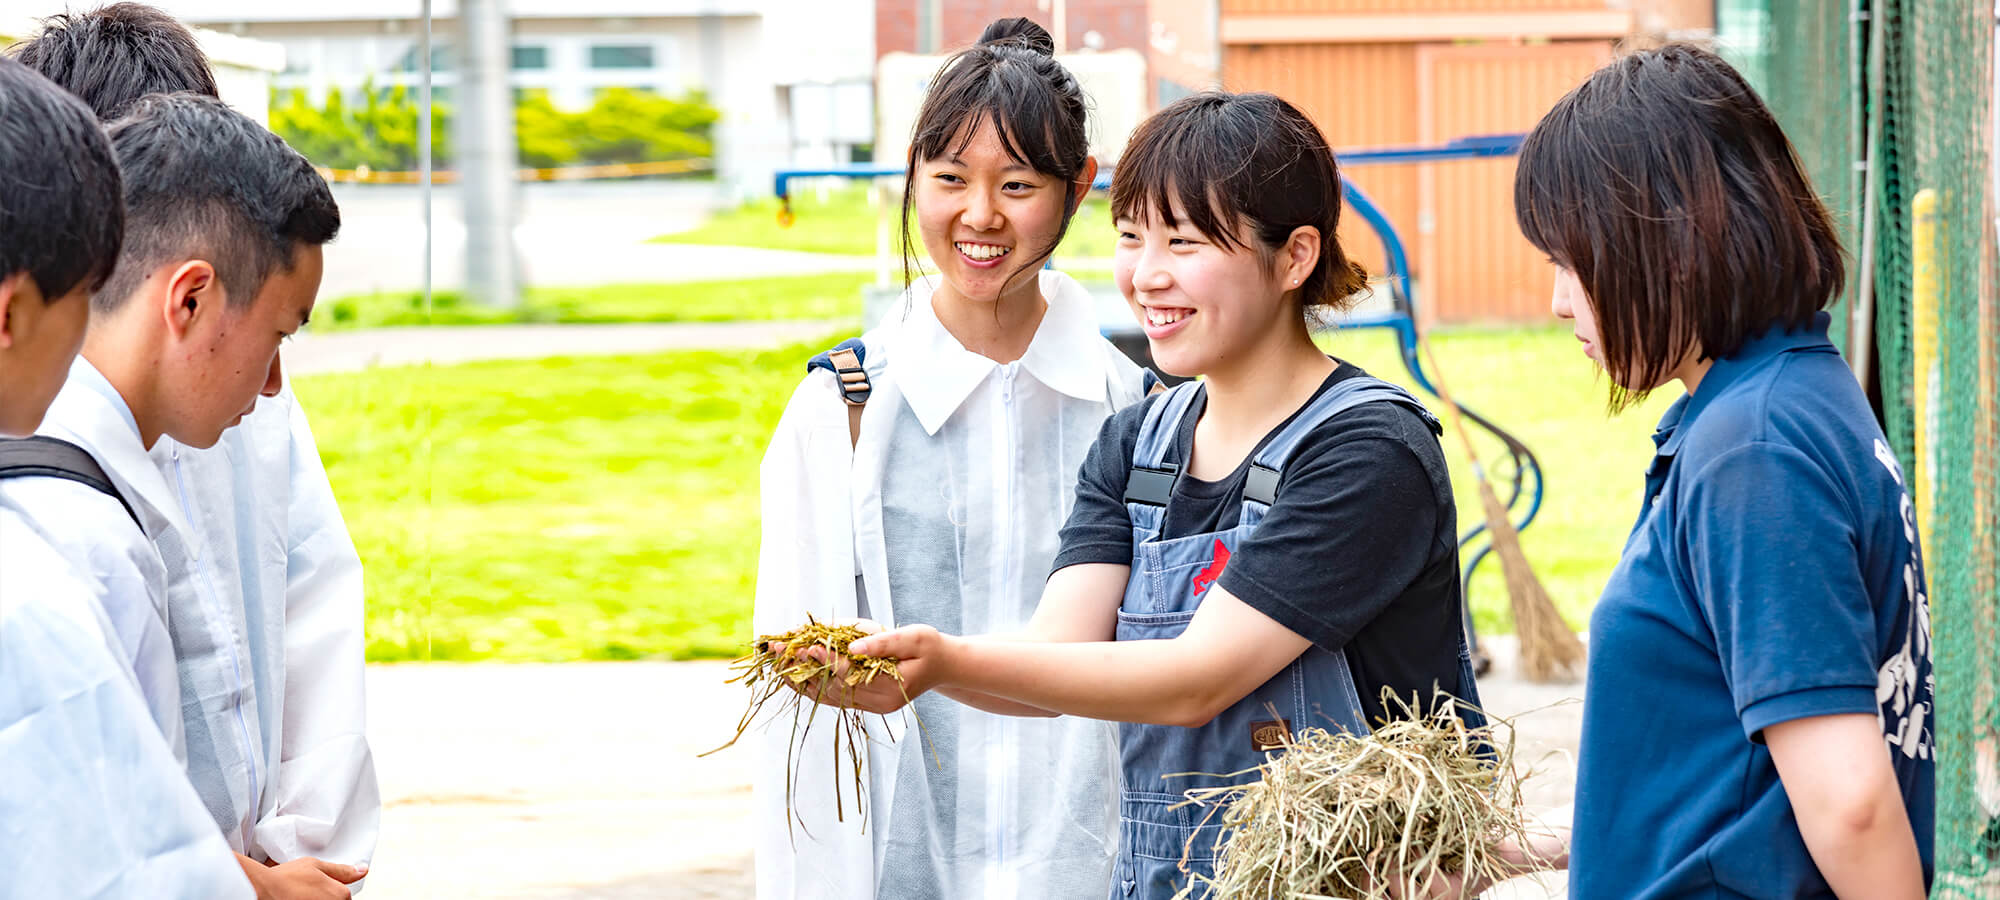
(379, 130)
(544, 135)
(380, 133)
(628, 126)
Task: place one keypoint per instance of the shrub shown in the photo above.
(379, 130)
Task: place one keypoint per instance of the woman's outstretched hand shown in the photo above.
(918, 650)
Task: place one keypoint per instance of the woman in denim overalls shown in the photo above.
(1157, 615)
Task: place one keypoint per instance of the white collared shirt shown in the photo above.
(947, 513)
(242, 597)
(95, 533)
(94, 802)
(267, 619)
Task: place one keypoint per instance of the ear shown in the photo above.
(1084, 180)
(192, 293)
(1298, 257)
(10, 300)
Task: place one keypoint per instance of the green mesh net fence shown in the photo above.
(1909, 85)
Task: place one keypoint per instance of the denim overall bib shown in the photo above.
(1168, 580)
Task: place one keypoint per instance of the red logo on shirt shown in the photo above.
(1205, 579)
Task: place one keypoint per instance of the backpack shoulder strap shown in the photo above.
(49, 457)
(845, 362)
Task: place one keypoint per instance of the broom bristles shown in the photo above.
(1549, 650)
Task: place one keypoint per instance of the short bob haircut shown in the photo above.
(1666, 186)
(1230, 160)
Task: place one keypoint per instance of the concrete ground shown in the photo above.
(581, 781)
(567, 235)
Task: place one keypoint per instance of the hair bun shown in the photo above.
(1021, 31)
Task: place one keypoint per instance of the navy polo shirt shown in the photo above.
(1773, 575)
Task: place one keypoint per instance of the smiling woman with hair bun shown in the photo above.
(934, 496)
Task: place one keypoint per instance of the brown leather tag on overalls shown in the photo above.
(1271, 734)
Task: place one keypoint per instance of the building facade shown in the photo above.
(791, 80)
(1376, 73)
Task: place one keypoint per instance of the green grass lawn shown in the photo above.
(845, 222)
(830, 296)
(605, 508)
(599, 508)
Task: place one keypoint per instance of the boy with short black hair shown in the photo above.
(112, 56)
(221, 262)
(94, 802)
(272, 635)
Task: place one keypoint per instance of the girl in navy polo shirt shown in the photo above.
(1758, 717)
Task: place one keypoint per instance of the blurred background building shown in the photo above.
(1371, 73)
(738, 89)
(792, 80)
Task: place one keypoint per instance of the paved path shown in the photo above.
(568, 234)
(581, 781)
(347, 351)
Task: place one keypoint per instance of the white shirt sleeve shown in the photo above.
(94, 803)
(327, 802)
(806, 564)
(95, 534)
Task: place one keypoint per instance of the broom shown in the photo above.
(1549, 650)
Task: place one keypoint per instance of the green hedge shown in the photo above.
(379, 130)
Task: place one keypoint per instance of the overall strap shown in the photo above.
(49, 457)
(1151, 481)
(1260, 487)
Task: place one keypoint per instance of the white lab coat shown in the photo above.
(267, 624)
(947, 513)
(93, 803)
(99, 539)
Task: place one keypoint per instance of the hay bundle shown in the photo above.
(1344, 816)
(780, 668)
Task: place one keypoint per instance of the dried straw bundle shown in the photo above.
(1340, 816)
(778, 667)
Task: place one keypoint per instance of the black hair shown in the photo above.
(1230, 159)
(1012, 80)
(204, 180)
(1667, 187)
(112, 56)
(61, 218)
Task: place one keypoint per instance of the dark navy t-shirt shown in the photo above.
(1773, 575)
(1359, 554)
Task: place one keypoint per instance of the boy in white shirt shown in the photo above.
(267, 612)
(95, 802)
(221, 262)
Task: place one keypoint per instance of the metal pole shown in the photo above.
(486, 153)
(424, 152)
(1861, 330)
